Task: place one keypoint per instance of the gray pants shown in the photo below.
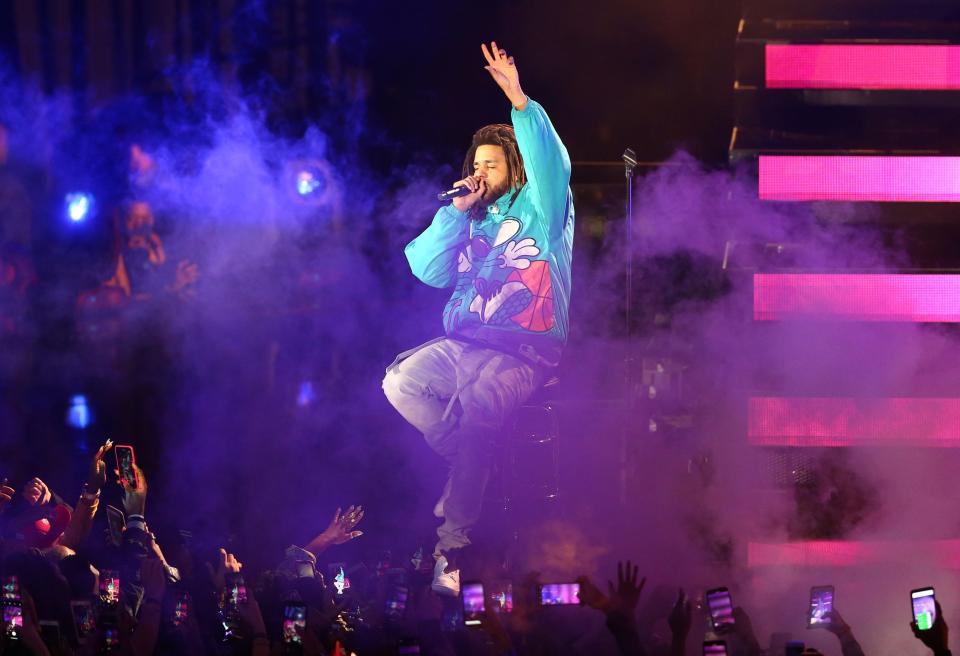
(425, 386)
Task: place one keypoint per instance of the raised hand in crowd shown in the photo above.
(619, 605)
(6, 495)
(227, 563)
(937, 636)
(680, 621)
(838, 627)
(134, 498)
(81, 520)
(340, 530)
(36, 492)
(97, 474)
(624, 598)
(186, 274)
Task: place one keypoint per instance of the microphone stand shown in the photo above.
(630, 162)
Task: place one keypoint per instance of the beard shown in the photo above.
(493, 193)
(479, 210)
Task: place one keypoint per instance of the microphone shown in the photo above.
(456, 192)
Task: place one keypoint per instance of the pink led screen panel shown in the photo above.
(919, 298)
(944, 554)
(868, 178)
(840, 422)
(886, 67)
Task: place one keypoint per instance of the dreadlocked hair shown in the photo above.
(498, 134)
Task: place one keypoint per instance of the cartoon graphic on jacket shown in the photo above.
(510, 270)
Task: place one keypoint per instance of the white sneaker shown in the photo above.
(445, 583)
(438, 508)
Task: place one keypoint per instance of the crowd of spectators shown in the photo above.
(91, 578)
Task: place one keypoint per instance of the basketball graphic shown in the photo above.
(538, 314)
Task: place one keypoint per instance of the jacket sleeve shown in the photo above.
(545, 160)
(433, 253)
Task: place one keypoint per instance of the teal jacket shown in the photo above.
(510, 271)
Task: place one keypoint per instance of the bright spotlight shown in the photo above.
(78, 414)
(79, 205)
(309, 182)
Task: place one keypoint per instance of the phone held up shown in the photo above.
(125, 465)
(720, 606)
(474, 606)
(821, 603)
(924, 607)
(294, 626)
(12, 609)
(559, 594)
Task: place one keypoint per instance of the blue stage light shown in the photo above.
(310, 182)
(79, 205)
(78, 414)
(307, 394)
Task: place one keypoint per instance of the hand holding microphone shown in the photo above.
(466, 192)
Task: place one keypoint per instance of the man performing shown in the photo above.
(505, 248)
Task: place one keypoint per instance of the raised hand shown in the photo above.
(226, 563)
(97, 475)
(36, 492)
(503, 70)
(624, 598)
(6, 494)
(339, 531)
(590, 595)
(681, 617)
(134, 498)
(936, 637)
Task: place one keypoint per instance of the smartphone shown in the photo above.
(721, 608)
(236, 591)
(924, 608)
(110, 587)
(714, 648)
(294, 623)
(84, 619)
(117, 524)
(559, 594)
(500, 596)
(12, 620)
(821, 603)
(337, 573)
(125, 462)
(473, 603)
(11, 589)
(181, 608)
